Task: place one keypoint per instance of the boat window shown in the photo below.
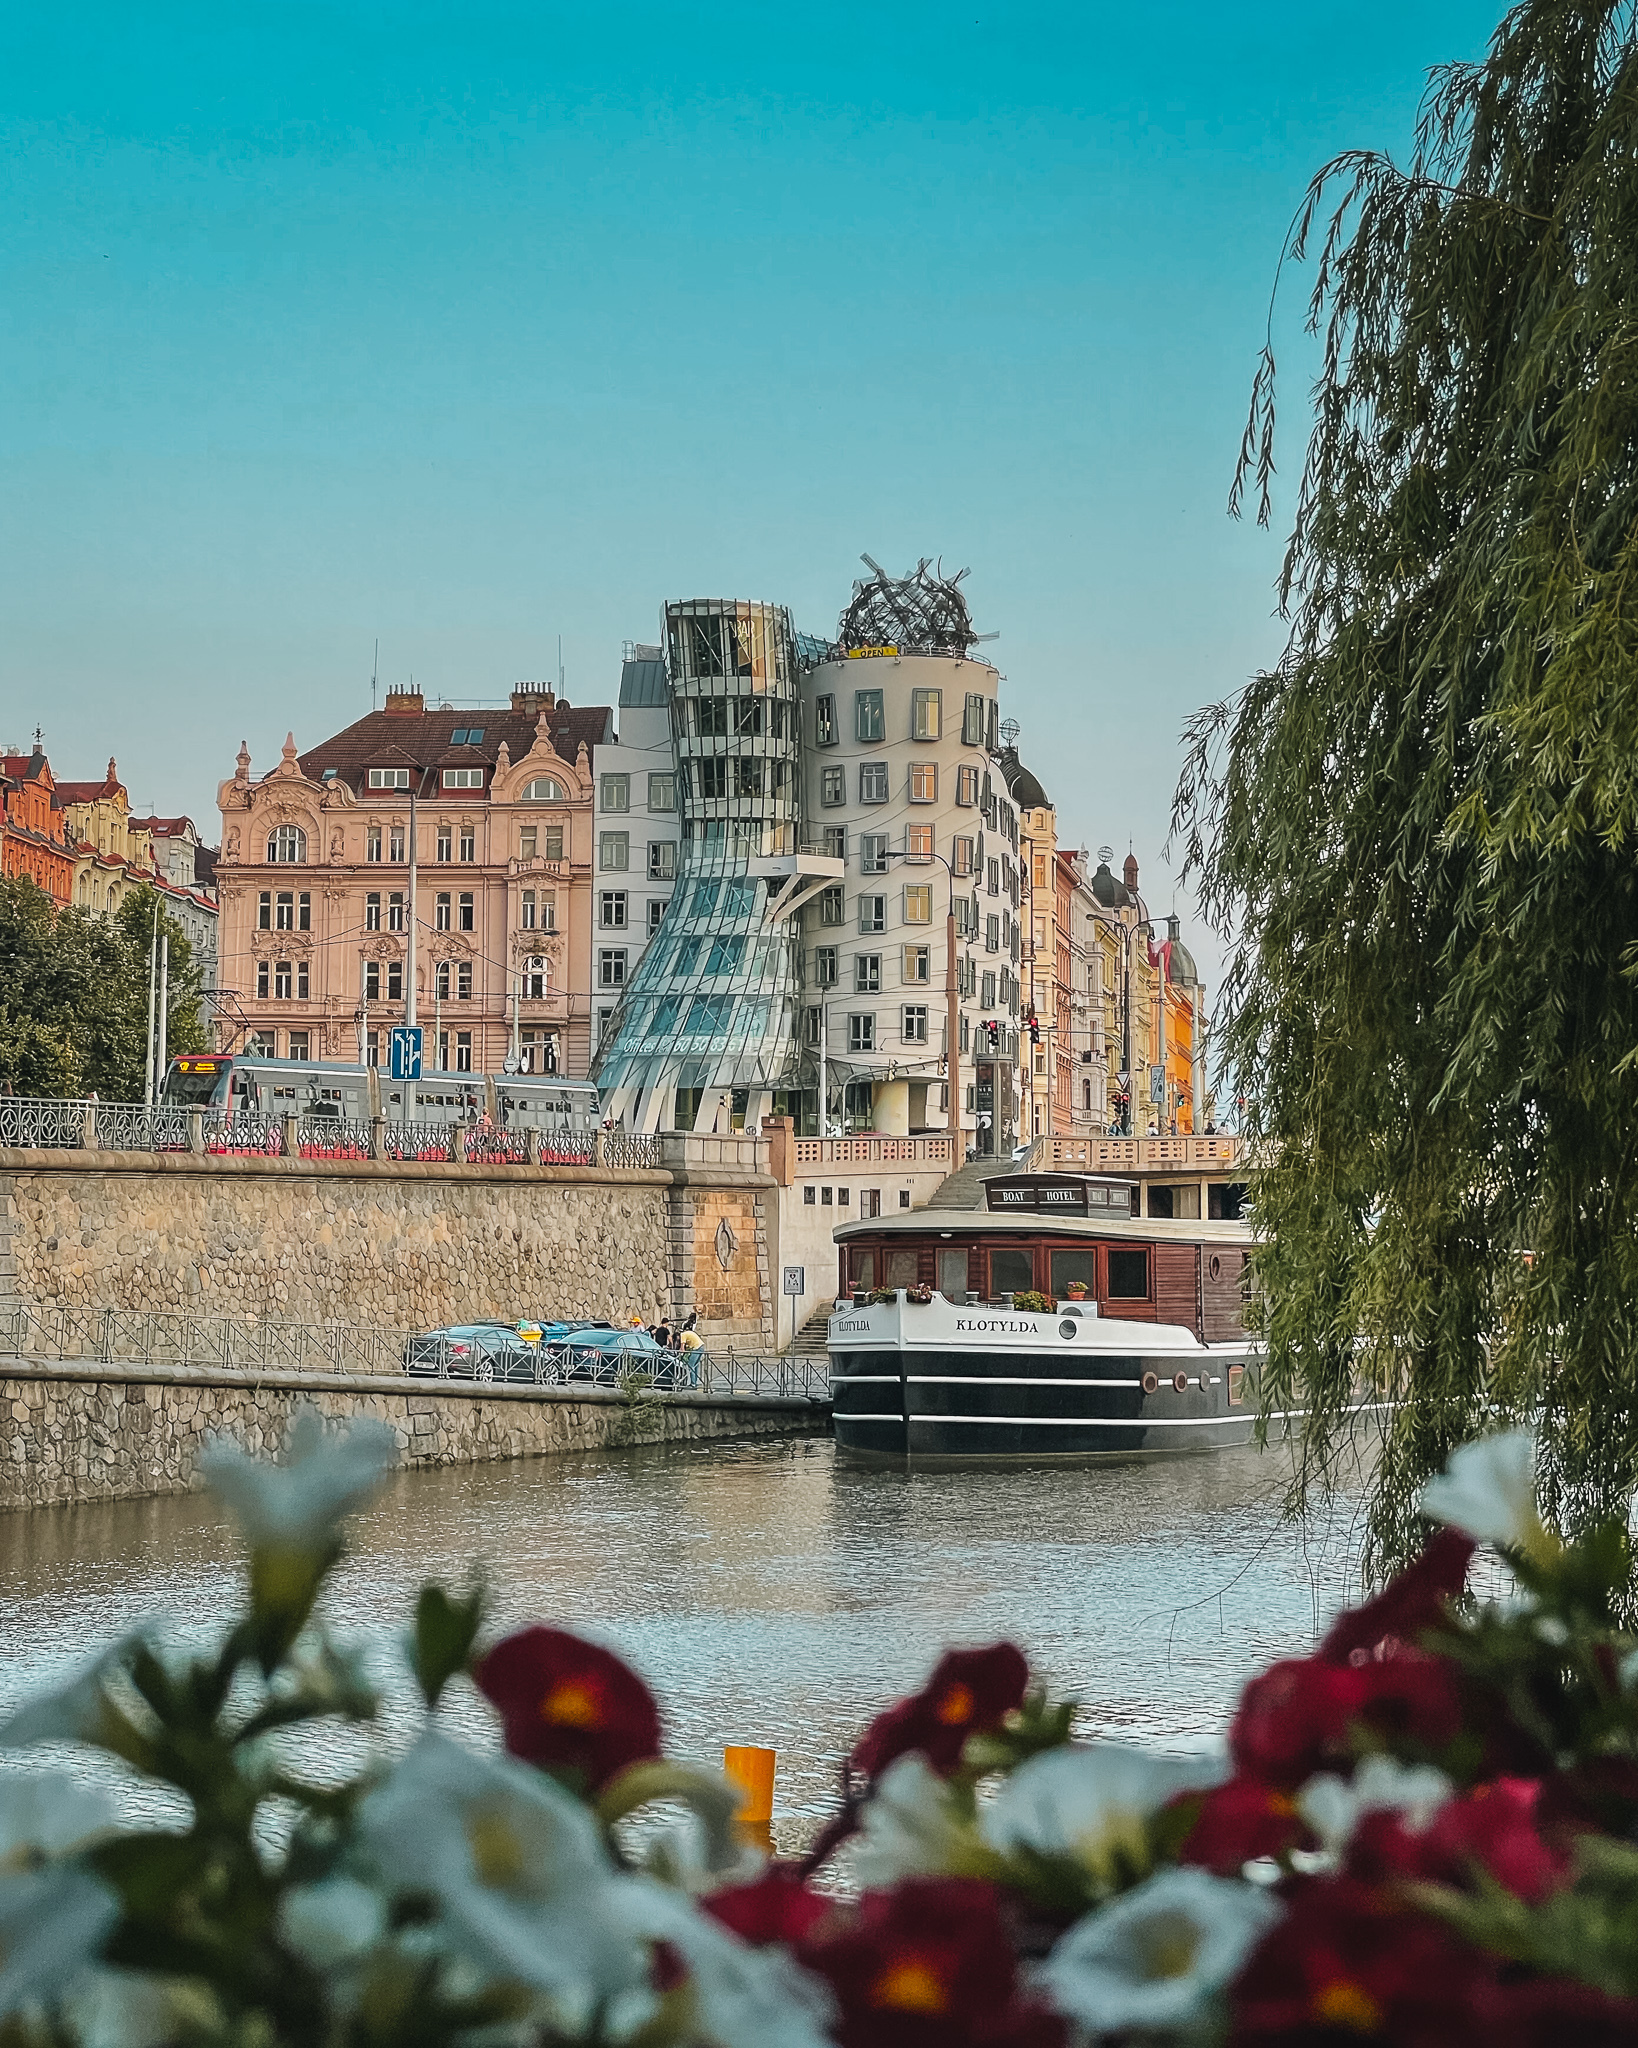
(1011, 1271)
(901, 1269)
(1160, 1202)
(952, 1273)
(864, 1269)
(1128, 1275)
(1074, 1268)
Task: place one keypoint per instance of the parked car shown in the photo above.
(469, 1351)
(604, 1353)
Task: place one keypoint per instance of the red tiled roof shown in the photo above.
(85, 792)
(421, 739)
(161, 828)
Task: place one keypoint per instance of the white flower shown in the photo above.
(77, 1711)
(1488, 1490)
(108, 2008)
(910, 1827)
(518, 1867)
(1090, 1803)
(52, 1923)
(47, 1813)
(1156, 1956)
(1333, 1806)
(743, 1997)
(296, 1505)
(332, 1922)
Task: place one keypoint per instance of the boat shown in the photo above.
(1140, 1352)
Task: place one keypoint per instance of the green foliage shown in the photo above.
(74, 994)
(446, 1627)
(1423, 822)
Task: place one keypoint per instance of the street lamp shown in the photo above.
(952, 1004)
(1125, 933)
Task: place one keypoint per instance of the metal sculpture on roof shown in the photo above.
(922, 613)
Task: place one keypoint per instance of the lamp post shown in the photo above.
(1126, 935)
(952, 1006)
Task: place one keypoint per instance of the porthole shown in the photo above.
(1214, 1267)
(1067, 1328)
(1150, 1383)
(1180, 1383)
(1205, 1383)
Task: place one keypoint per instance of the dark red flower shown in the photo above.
(569, 1706)
(1492, 1827)
(928, 1965)
(777, 1907)
(1298, 1717)
(1411, 1701)
(969, 1693)
(1598, 1794)
(1414, 1601)
(1345, 1965)
(1552, 2010)
(1240, 1820)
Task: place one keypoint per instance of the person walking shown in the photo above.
(691, 1344)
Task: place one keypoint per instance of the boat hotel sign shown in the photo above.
(1037, 1194)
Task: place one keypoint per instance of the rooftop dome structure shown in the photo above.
(1023, 784)
(922, 613)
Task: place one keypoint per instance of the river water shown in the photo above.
(769, 1592)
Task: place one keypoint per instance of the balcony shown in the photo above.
(1123, 1155)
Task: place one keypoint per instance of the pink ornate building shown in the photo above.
(314, 885)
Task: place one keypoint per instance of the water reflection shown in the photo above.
(769, 1592)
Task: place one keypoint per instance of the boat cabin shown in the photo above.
(1058, 1234)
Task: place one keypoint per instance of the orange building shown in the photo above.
(33, 835)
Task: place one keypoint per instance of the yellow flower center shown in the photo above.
(1170, 1947)
(572, 1704)
(955, 1705)
(910, 1985)
(497, 1854)
(1343, 2003)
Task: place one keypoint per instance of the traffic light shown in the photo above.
(1034, 1029)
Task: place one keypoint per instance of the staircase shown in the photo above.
(964, 1189)
(809, 1341)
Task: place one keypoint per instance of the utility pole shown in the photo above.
(153, 990)
(409, 963)
(952, 1034)
(162, 1034)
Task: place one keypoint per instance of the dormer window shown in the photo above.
(389, 778)
(463, 778)
(543, 790)
(466, 736)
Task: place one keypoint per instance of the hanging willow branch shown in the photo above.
(1423, 824)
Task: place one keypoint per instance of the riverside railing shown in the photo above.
(37, 1123)
(179, 1340)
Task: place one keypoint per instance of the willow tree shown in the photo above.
(1423, 824)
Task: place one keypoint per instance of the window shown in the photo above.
(463, 981)
(615, 793)
(824, 721)
(872, 913)
(260, 1045)
(526, 843)
(552, 847)
(926, 714)
(924, 782)
(972, 722)
(962, 850)
(918, 904)
(262, 985)
(830, 906)
(446, 843)
(662, 860)
(993, 876)
(710, 777)
(463, 778)
(833, 786)
(834, 841)
(861, 1034)
(612, 910)
(264, 911)
(867, 974)
(463, 1052)
(372, 911)
(299, 1043)
(537, 1052)
(281, 980)
(813, 1030)
(611, 967)
(287, 844)
(614, 852)
(395, 843)
(824, 966)
(869, 721)
(872, 782)
(918, 842)
(918, 963)
(967, 788)
(372, 842)
(709, 1016)
(662, 792)
(688, 957)
(873, 853)
(389, 778)
(1129, 1274)
(395, 981)
(711, 715)
(915, 1024)
(543, 790)
(372, 1048)
(469, 843)
(441, 981)
(526, 912)
(548, 910)
(727, 956)
(395, 911)
(464, 908)
(536, 977)
(992, 933)
(441, 912)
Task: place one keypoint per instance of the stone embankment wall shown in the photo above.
(71, 1436)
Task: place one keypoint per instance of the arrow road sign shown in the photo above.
(406, 1052)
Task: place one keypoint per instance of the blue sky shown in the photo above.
(469, 326)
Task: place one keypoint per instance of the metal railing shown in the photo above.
(631, 1149)
(432, 1143)
(27, 1120)
(177, 1339)
(325, 1137)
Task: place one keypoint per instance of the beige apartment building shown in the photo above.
(315, 886)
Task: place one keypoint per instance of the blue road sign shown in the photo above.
(406, 1052)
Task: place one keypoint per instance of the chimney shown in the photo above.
(404, 704)
(529, 698)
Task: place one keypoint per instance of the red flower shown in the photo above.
(928, 1965)
(1414, 1601)
(969, 1693)
(1493, 1827)
(777, 1907)
(1297, 1717)
(1411, 1701)
(569, 1706)
(1240, 1820)
(1344, 1965)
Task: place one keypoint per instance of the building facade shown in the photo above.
(34, 839)
(637, 830)
(328, 923)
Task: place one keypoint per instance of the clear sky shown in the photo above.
(470, 325)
